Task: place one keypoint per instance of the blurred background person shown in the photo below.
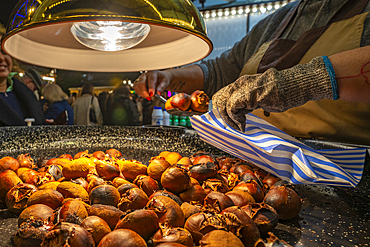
(104, 103)
(17, 101)
(137, 100)
(33, 81)
(57, 100)
(72, 98)
(123, 109)
(82, 106)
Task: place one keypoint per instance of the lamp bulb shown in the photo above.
(109, 35)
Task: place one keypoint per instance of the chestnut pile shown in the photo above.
(101, 199)
(197, 101)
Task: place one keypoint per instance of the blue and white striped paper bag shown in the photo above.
(281, 154)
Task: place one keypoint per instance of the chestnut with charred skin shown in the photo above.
(284, 200)
(265, 216)
(167, 210)
(241, 225)
(202, 223)
(17, 197)
(168, 234)
(68, 234)
(72, 211)
(147, 184)
(36, 211)
(134, 198)
(104, 194)
(8, 179)
(143, 221)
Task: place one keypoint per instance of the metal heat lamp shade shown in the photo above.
(66, 34)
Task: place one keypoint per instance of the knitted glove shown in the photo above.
(276, 91)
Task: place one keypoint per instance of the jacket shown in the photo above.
(28, 103)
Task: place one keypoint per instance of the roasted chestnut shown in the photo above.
(68, 234)
(31, 233)
(241, 225)
(175, 179)
(220, 238)
(49, 197)
(156, 167)
(72, 211)
(168, 194)
(214, 184)
(8, 163)
(173, 158)
(203, 171)
(107, 168)
(76, 168)
(142, 221)
(72, 190)
(147, 184)
(194, 193)
(25, 160)
(100, 155)
(253, 188)
(97, 227)
(190, 208)
(240, 197)
(8, 179)
(284, 200)
(82, 154)
(199, 101)
(94, 182)
(133, 198)
(104, 194)
(265, 216)
(109, 214)
(168, 234)
(167, 210)
(131, 169)
(17, 197)
(125, 187)
(223, 200)
(117, 237)
(36, 211)
(114, 153)
(181, 101)
(202, 223)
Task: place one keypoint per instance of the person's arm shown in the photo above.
(186, 79)
(352, 70)
(341, 76)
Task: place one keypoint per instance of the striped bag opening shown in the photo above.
(281, 154)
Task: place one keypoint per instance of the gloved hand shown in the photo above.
(276, 91)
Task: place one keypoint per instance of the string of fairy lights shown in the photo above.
(252, 9)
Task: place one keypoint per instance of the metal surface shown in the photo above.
(176, 111)
(330, 216)
(42, 27)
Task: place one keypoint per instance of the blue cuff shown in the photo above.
(334, 85)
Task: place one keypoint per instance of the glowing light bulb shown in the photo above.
(109, 35)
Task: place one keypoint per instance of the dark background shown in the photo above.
(5, 10)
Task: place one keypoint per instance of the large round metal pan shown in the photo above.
(331, 216)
